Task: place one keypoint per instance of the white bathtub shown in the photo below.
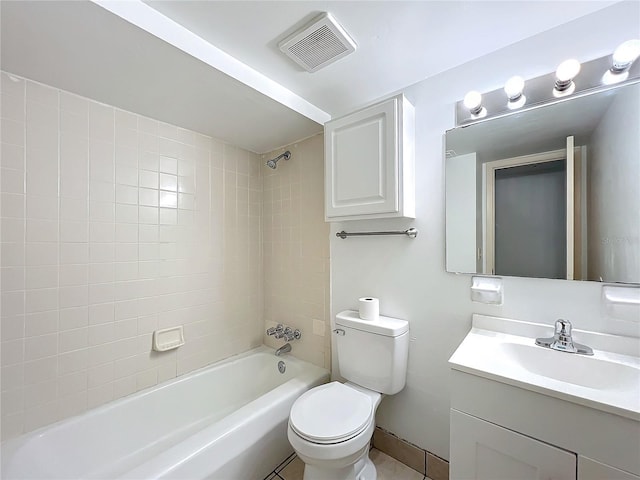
(224, 422)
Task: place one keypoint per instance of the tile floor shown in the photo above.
(388, 469)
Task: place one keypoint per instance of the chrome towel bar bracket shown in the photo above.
(411, 232)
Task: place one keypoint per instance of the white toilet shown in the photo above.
(330, 426)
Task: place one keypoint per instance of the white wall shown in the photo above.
(614, 170)
(115, 225)
(409, 276)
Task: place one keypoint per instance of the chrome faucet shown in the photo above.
(562, 340)
(280, 331)
(286, 348)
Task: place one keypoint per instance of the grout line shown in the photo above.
(425, 464)
(284, 463)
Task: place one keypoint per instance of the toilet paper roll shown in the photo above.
(369, 308)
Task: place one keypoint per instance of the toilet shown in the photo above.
(330, 426)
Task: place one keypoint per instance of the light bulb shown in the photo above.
(625, 55)
(513, 88)
(565, 73)
(473, 101)
(568, 70)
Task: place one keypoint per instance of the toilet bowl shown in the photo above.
(330, 426)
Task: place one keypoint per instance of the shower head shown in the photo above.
(273, 163)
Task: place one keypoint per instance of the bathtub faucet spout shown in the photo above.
(286, 348)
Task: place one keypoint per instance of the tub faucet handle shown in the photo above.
(278, 329)
(292, 335)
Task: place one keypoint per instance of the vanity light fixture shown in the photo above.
(622, 68)
(622, 59)
(514, 88)
(473, 102)
(565, 73)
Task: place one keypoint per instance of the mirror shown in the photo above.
(552, 192)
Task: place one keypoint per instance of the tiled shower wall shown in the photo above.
(296, 250)
(115, 225)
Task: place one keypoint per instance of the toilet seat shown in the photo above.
(331, 413)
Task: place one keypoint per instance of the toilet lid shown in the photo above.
(331, 413)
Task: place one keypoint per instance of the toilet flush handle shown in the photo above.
(339, 331)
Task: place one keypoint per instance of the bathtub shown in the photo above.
(227, 421)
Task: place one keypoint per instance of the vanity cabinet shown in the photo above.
(520, 411)
(485, 451)
(501, 431)
(589, 469)
(369, 163)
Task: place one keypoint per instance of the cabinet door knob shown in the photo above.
(339, 331)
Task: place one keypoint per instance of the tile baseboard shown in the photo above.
(411, 455)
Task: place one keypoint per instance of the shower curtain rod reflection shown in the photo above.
(273, 163)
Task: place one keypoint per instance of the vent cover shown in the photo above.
(319, 44)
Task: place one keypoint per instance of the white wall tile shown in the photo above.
(12, 278)
(41, 300)
(12, 327)
(168, 182)
(71, 318)
(101, 122)
(74, 104)
(127, 194)
(101, 313)
(73, 231)
(14, 255)
(72, 209)
(73, 275)
(75, 339)
(126, 175)
(102, 232)
(168, 164)
(12, 180)
(126, 233)
(74, 253)
(100, 191)
(126, 213)
(104, 252)
(73, 361)
(40, 346)
(12, 156)
(41, 323)
(38, 92)
(42, 230)
(40, 371)
(12, 352)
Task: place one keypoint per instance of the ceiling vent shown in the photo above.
(318, 44)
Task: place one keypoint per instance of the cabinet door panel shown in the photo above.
(362, 162)
(483, 451)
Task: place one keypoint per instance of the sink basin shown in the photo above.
(588, 372)
(505, 350)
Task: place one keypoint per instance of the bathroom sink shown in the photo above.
(505, 350)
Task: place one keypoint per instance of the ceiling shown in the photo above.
(215, 67)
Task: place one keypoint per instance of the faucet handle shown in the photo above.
(275, 330)
(563, 327)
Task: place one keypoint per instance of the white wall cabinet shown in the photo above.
(484, 451)
(369, 163)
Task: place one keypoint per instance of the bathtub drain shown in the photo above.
(281, 366)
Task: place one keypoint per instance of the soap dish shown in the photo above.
(168, 338)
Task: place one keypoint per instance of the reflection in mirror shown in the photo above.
(552, 192)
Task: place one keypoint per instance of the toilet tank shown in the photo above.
(372, 353)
